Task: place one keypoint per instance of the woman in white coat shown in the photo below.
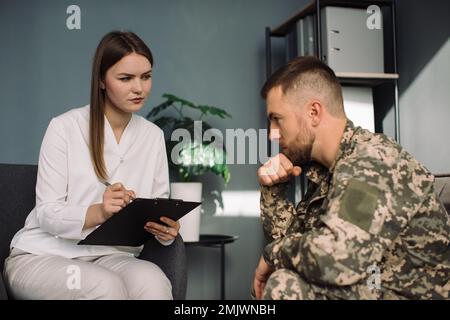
(84, 149)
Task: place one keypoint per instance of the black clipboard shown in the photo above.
(126, 227)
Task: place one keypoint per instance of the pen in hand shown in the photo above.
(132, 195)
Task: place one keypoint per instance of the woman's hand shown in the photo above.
(115, 198)
(163, 232)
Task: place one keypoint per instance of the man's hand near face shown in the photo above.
(277, 170)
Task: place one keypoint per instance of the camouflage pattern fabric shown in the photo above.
(369, 227)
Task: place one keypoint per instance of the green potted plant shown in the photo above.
(193, 157)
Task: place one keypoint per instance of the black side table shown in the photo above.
(216, 241)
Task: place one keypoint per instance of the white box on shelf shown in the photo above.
(348, 45)
(358, 106)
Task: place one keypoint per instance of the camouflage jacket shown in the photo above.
(375, 205)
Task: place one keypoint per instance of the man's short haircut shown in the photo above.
(309, 73)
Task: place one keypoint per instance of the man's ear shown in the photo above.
(315, 112)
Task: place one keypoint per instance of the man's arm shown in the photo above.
(276, 210)
(364, 215)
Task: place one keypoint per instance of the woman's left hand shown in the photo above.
(163, 232)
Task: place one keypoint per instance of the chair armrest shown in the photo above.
(172, 261)
(3, 295)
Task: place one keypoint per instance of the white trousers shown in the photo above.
(113, 277)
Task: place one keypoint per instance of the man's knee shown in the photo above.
(286, 284)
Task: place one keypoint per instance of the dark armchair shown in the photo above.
(442, 185)
(17, 199)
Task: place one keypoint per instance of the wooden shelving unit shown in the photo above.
(285, 27)
(373, 80)
(347, 78)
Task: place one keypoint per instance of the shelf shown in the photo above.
(345, 78)
(367, 75)
(286, 26)
(360, 78)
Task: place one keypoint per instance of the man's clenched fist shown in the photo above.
(277, 170)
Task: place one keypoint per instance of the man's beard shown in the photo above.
(299, 152)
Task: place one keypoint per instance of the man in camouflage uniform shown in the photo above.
(370, 225)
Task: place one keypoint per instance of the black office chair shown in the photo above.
(17, 199)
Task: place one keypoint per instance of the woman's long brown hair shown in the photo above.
(113, 47)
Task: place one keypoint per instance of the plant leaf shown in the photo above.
(198, 157)
(162, 122)
(205, 109)
(173, 98)
(156, 110)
